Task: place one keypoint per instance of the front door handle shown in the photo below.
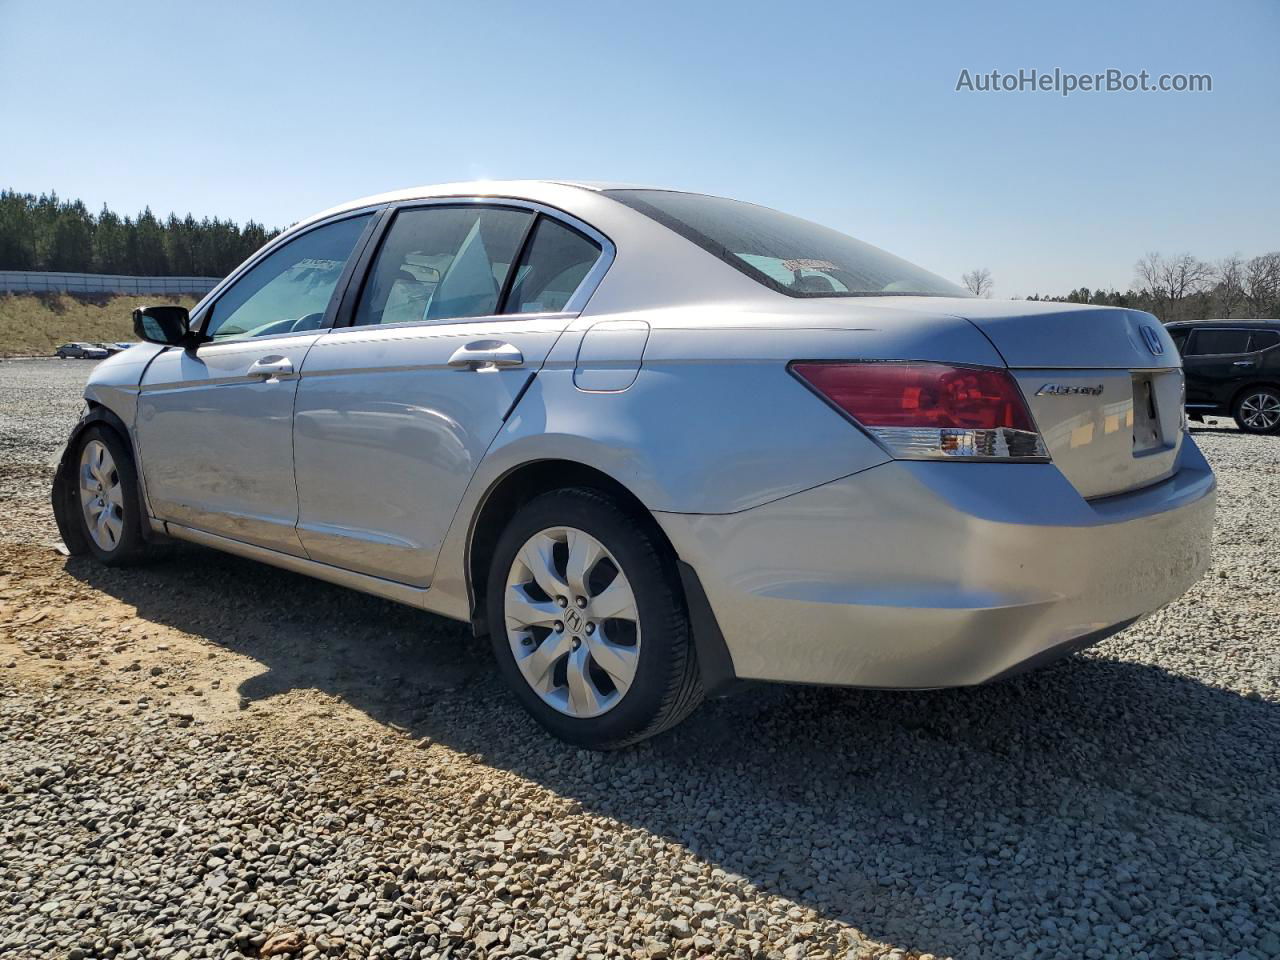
(487, 355)
(271, 368)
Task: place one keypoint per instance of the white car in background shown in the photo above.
(651, 441)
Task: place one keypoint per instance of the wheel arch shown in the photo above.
(63, 490)
(1265, 384)
(524, 482)
(1233, 408)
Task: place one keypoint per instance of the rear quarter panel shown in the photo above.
(712, 424)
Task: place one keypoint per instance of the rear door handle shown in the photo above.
(487, 355)
(1242, 363)
(271, 368)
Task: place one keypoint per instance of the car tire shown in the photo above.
(1257, 410)
(108, 507)
(652, 680)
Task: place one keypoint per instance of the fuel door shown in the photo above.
(610, 355)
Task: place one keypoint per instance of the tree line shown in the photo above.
(49, 233)
(1181, 287)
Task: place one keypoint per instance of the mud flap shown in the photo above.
(714, 659)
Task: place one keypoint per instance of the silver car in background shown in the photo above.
(650, 442)
(81, 351)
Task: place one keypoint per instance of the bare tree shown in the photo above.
(979, 282)
(1150, 270)
(1171, 280)
(1229, 274)
(1262, 284)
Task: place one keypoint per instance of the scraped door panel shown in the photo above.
(387, 436)
(216, 440)
(215, 424)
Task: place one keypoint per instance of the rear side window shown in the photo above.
(555, 263)
(442, 263)
(1207, 343)
(1264, 339)
(785, 253)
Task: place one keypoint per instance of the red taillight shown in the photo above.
(920, 394)
(930, 409)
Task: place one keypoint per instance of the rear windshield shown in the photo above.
(785, 253)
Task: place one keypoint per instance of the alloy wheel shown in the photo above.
(1261, 411)
(101, 495)
(572, 622)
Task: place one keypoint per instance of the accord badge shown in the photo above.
(1068, 390)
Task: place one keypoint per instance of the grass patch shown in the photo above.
(34, 324)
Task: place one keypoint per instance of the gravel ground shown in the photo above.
(210, 758)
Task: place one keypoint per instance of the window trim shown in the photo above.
(345, 315)
(1194, 337)
(203, 311)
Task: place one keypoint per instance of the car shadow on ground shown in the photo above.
(1221, 430)
(1089, 792)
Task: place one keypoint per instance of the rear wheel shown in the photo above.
(107, 494)
(1258, 411)
(588, 621)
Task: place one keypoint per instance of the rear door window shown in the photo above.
(442, 263)
(1207, 343)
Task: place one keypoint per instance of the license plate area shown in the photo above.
(1147, 434)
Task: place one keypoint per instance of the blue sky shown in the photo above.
(845, 113)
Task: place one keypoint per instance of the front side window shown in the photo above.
(785, 253)
(1207, 343)
(442, 263)
(289, 289)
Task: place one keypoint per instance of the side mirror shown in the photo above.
(166, 324)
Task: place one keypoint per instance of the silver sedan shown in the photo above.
(652, 442)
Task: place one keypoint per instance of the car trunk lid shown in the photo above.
(1104, 386)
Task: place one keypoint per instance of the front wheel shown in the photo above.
(106, 489)
(1258, 411)
(588, 621)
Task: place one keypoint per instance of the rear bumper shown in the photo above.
(918, 574)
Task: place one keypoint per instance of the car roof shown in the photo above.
(545, 191)
(1189, 324)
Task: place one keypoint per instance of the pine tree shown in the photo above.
(47, 233)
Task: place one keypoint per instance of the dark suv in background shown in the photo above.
(1232, 369)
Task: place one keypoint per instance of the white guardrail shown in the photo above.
(39, 281)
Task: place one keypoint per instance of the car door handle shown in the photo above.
(271, 368)
(487, 355)
(1242, 363)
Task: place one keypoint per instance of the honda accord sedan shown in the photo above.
(651, 442)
